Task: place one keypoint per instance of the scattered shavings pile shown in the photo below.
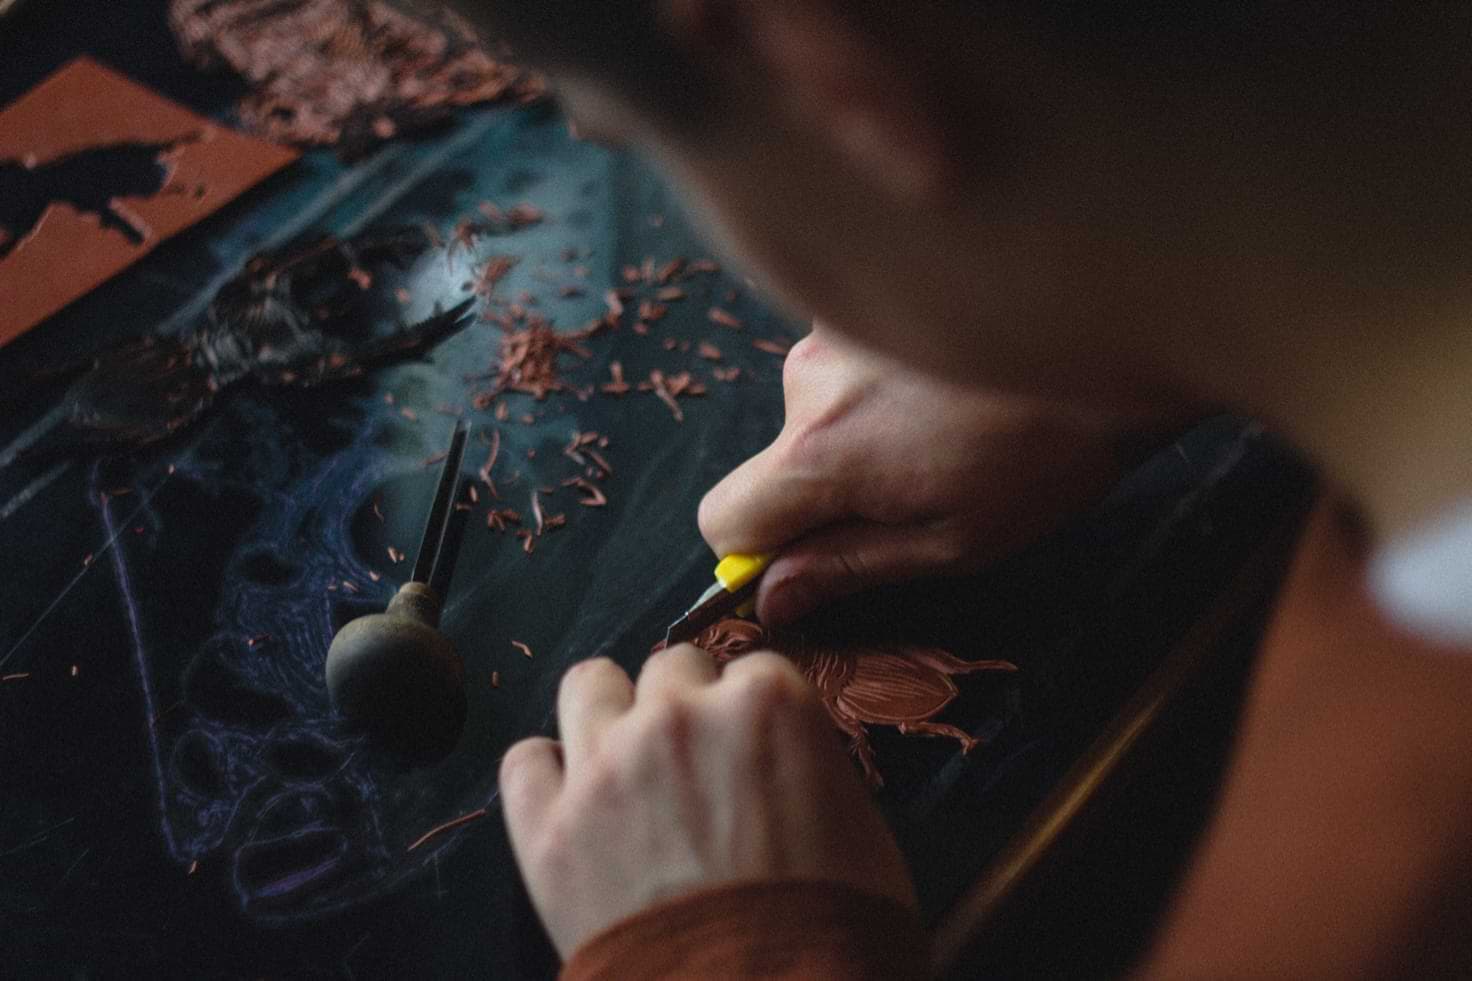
(347, 73)
(531, 358)
(528, 361)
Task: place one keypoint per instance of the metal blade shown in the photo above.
(714, 605)
(439, 510)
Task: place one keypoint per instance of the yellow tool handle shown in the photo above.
(737, 569)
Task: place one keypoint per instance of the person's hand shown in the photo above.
(686, 782)
(882, 474)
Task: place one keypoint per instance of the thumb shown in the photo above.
(768, 501)
(849, 558)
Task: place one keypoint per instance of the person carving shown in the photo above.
(1027, 229)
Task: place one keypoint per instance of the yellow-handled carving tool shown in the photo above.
(734, 590)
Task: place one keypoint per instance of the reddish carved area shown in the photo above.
(95, 172)
(350, 73)
(901, 685)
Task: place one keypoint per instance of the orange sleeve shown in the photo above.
(823, 931)
(1340, 845)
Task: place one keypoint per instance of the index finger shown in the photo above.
(768, 501)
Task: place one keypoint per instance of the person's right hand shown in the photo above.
(882, 474)
(694, 778)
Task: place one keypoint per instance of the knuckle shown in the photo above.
(808, 346)
(658, 660)
(768, 686)
(799, 357)
(515, 766)
(664, 661)
(697, 656)
(516, 759)
(588, 669)
(586, 673)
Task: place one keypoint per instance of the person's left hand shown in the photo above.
(685, 782)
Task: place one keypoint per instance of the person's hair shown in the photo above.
(1180, 45)
(620, 41)
(623, 43)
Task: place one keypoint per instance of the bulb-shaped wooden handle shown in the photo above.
(396, 676)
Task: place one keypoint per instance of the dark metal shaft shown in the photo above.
(449, 551)
(440, 510)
